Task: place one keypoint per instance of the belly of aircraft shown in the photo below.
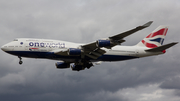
(51, 55)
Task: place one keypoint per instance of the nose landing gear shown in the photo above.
(20, 60)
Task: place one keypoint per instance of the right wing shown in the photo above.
(127, 33)
(94, 50)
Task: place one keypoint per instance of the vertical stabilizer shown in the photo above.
(154, 39)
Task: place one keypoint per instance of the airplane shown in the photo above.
(79, 56)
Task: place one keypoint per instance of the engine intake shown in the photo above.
(62, 65)
(74, 51)
(103, 43)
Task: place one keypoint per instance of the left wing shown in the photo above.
(61, 52)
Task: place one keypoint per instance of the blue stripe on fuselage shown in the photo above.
(115, 58)
(35, 54)
(51, 55)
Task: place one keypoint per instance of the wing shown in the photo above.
(93, 50)
(61, 52)
(127, 33)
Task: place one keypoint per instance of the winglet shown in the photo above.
(162, 48)
(147, 24)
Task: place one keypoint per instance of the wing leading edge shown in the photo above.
(127, 33)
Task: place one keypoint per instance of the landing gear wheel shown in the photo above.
(20, 62)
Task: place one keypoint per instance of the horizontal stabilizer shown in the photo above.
(161, 48)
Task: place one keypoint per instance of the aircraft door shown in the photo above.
(137, 52)
(26, 46)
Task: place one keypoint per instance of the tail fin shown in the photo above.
(155, 39)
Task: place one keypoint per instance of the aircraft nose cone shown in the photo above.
(3, 48)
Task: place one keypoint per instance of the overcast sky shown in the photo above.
(154, 78)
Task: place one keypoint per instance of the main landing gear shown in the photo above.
(20, 60)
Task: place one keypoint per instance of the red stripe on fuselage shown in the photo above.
(33, 48)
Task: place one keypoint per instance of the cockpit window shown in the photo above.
(15, 40)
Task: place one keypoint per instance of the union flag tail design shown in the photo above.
(155, 39)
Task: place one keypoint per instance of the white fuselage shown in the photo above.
(45, 48)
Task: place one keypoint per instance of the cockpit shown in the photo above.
(15, 40)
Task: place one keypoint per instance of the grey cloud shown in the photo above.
(171, 83)
(85, 21)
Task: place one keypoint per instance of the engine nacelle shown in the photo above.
(77, 67)
(62, 65)
(103, 43)
(74, 51)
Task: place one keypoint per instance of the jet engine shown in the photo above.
(74, 51)
(62, 65)
(77, 67)
(103, 43)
